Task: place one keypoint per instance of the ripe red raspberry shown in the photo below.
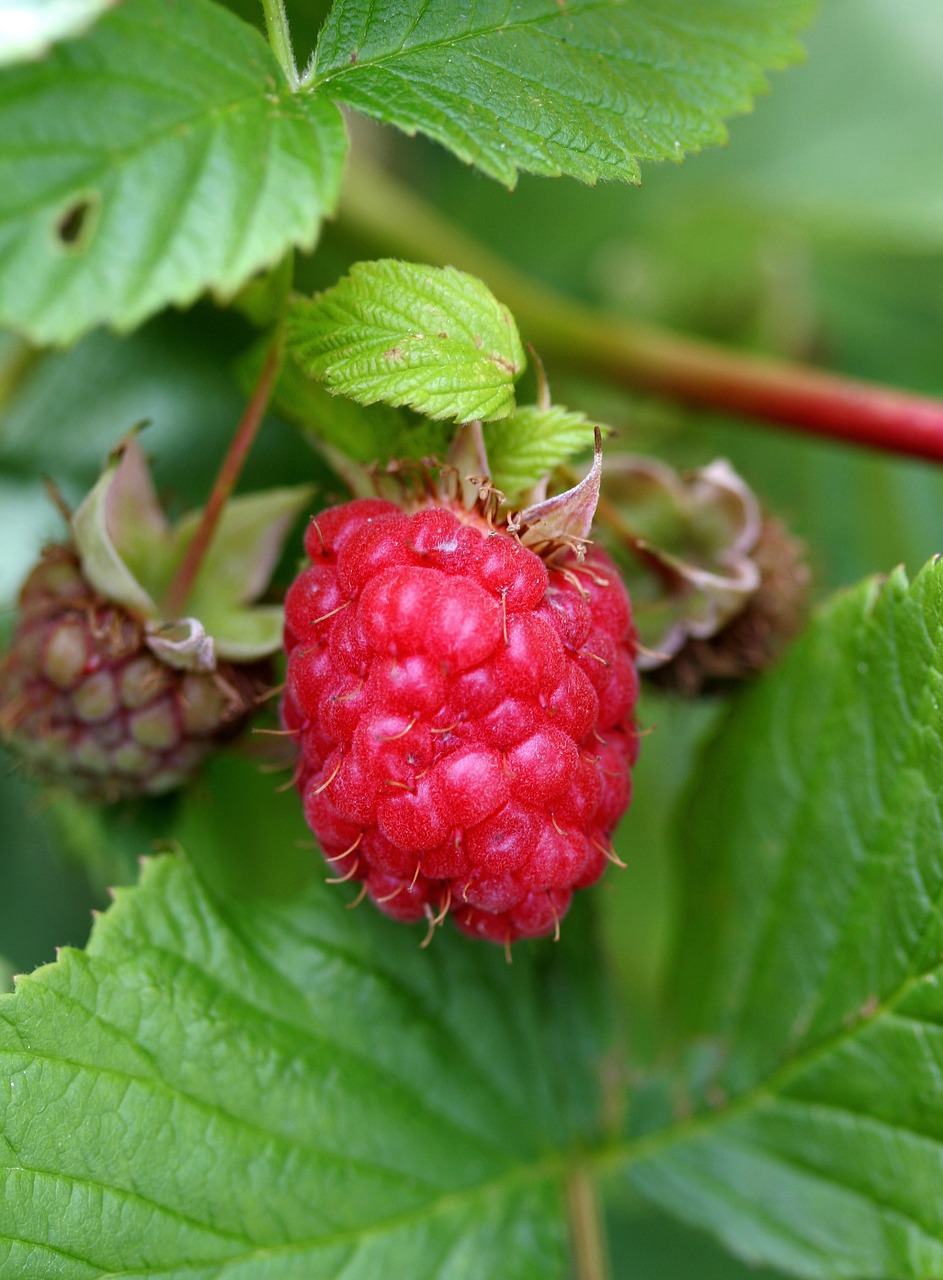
(83, 701)
(463, 711)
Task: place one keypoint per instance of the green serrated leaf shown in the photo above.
(586, 88)
(287, 1090)
(524, 447)
(430, 338)
(158, 156)
(811, 955)
(29, 27)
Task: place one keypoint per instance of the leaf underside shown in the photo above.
(431, 339)
(159, 156)
(811, 962)
(587, 88)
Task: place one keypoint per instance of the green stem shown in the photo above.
(279, 37)
(587, 1231)
(643, 357)
(175, 600)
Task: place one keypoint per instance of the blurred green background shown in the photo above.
(817, 234)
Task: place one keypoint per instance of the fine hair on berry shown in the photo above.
(463, 709)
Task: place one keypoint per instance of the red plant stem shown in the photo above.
(176, 598)
(709, 376)
(690, 370)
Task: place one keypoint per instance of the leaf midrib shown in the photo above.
(636, 1150)
(605, 1158)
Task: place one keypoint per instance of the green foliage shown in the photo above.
(584, 88)
(311, 1092)
(113, 149)
(532, 442)
(372, 433)
(239, 1076)
(786, 163)
(431, 338)
(811, 953)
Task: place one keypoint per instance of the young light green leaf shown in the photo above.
(430, 338)
(285, 1090)
(29, 27)
(586, 88)
(158, 156)
(812, 955)
(531, 442)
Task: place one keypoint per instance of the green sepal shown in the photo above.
(237, 569)
(121, 534)
(130, 554)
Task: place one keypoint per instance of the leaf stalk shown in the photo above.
(642, 357)
(279, 37)
(587, 1231)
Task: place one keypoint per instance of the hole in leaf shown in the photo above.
(73, 226)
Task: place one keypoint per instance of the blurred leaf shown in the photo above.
(29, 27)
(638, 909)
(430, 338)
(525, 447)
(43, 902)
(850, 142)
(117, 148)
(71, 408)
(651, 1246)
(810, 953)
(200, 1050)
(27, 520)
(238, 809)
(108, 841)
(586, 89)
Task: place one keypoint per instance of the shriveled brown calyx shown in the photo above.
(719, 588)
(756, 637)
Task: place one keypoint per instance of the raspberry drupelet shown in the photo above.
(463, 710)
(84, 702)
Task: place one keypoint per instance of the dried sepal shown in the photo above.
(756, 637)
(566, 519)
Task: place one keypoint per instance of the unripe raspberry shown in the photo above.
(112, 685)
(83, 701)
(463, 710)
